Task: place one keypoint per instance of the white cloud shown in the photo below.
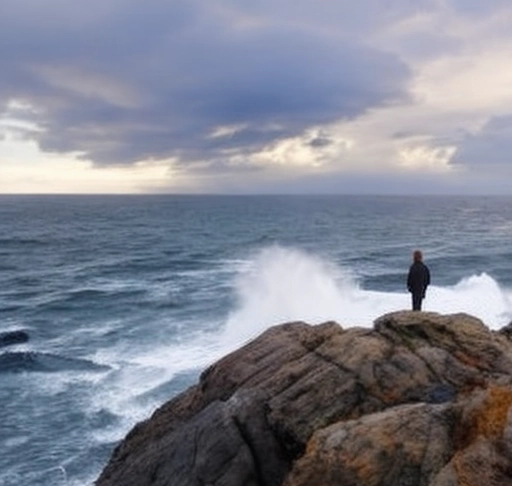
(227, 130)
(25, 170)
(431, 158)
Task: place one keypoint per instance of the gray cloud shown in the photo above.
(320, 142)
(477, 7)
(429, 45)
(491, 148)
(122, 80)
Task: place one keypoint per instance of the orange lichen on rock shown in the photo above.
(487, 418)
(490, 419)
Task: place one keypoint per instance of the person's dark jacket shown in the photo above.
(418, 279)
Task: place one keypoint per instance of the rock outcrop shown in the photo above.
(419, 400)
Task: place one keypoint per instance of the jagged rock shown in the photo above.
(420, 399)
(378, 448)
(507, 330)
(461, 443)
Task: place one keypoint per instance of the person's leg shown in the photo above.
(416, 302)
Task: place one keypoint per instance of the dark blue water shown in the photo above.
(127, 298)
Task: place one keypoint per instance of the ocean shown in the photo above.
(127, 298)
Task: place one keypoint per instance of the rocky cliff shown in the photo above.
(420, 399)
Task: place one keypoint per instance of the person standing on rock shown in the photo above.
(418, 280)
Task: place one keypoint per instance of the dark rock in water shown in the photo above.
(13, 337)
(419, 400)
(30, 361)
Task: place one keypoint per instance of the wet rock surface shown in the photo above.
(419, 399)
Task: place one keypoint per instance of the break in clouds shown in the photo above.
(120, 81)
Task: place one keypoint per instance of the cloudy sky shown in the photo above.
(259, 96)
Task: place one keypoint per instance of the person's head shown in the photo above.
(417, 256)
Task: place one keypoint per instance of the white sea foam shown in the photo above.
(287, 285)
(143, 372)
(478, 295)
(284, 285)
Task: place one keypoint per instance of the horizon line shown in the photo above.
(255, 194)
